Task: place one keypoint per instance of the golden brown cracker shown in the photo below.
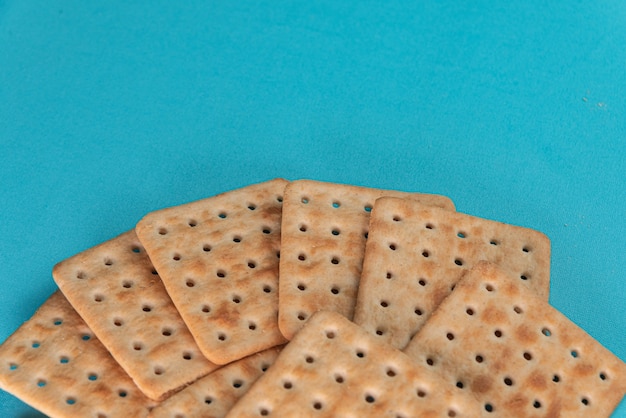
(324, 230)
(218, 259)
(415, 254)
(115, 289)
(519, 356)
(54, 363)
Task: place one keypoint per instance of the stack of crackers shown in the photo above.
(307, 298)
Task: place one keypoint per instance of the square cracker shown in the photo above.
(518, 355)
(334, 368)
(214, 395)
(218, 259)
(324, 230)
(54, 363)
(115, 289)
(415, 254)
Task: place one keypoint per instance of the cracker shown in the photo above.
(518, 355)
(334, 368)
(415, 254)
(214, 395)
(218, 259)
(54, 363)
(324, 230)
(114, 288)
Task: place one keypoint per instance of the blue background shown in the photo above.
(517, 111)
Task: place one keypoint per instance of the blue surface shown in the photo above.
(109, 110)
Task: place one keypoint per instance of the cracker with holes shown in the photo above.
(218, 258)
(333, 367)
(214, 395)
(519, 356)
(324, 230)
(116, 291)
(415, 254)
(54, 363)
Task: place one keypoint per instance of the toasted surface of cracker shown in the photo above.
(519, 356)
(324, 230)
(115, 289)
(218, 258)
(214, 395)
(333, 368)
(54, 363)
(415, 254)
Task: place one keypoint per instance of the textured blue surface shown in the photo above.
(517, 111)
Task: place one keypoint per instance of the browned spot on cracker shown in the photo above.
(554, 409)
(525, 334)
(427, 268)
(516, 402)
(502, 361)
(226, 315)
(196, 267)
(481, 383)
(583, 369)
(537, 381)
(270, 211)
(466, 246)
(477, 230)
(492, 315)
(439, 294)
(270, 271)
